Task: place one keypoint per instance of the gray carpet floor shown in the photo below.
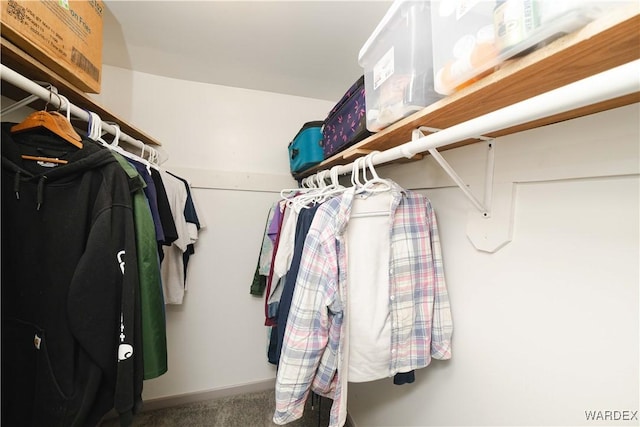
(246, 410)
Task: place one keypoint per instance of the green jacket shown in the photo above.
(152, 314)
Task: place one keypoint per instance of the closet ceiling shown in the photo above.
(303, 48)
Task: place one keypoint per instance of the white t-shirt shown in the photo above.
(172, 267)
(368, 317)
(284, 253)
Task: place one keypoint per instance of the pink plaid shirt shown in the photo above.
(313, 351)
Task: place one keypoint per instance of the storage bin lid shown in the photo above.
(396, 7)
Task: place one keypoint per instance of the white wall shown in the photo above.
(211, 127)
(232, 146)
(547, 327)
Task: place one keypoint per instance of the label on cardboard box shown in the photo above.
(64, 35)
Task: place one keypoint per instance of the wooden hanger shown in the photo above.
(45, 159)
(53, 121)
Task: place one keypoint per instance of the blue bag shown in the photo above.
(305, 150)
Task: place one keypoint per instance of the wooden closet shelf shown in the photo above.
(608, 42)
(21, 62)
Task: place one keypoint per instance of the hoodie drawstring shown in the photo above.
(16, 185)
(40, 194)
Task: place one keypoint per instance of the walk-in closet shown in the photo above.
(320, 213)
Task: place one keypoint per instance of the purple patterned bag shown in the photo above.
(346, 124)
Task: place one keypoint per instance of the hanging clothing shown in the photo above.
(152, 315)
(194, 224)
(164, 212)
(263, 266)
(305, 218)
(172, 267)
(315, 352)
(152, 198)
(70, 342)
(278, 219)
(283, 253)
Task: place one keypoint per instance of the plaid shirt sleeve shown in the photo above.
(442, 326)
(312, 329)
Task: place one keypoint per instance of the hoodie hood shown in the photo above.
(79, 160)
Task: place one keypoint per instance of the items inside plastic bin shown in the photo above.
(397, 62)
(472, 38)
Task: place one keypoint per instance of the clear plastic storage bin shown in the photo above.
(397, 61)
(471, 37)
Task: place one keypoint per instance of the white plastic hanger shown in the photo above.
(320, 191)
(375, 184)
(314, 189)
(155, 158)
(321, 184)
(95, 133)
(152, 159)
(355, 174)
(93, 130)
(96, 124)
(143, 160)
(305, 186)
(113, 146)
(315, 183)
(333, 188)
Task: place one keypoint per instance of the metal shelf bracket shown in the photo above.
(493, 228)
(485, 206)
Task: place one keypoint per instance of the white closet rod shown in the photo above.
(18, 80)
(618, 81)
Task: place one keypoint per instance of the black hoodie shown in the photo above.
(70, 351)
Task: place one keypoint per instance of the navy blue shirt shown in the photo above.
(152, 197)
(302, 228)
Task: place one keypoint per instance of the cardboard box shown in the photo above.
(65, 36)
